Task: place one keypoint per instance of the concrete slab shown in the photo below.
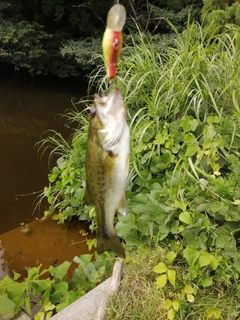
(92, 305)
(85, 307)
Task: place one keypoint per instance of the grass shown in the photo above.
(139, 297)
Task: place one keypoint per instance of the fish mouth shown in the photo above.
(104, 98)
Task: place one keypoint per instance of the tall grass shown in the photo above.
(198, 75)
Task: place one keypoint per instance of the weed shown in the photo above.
(25, 228)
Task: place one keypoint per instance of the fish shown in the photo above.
(112, 38)
(107, 166)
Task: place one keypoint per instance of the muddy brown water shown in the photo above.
(45, 244)
(27, 109)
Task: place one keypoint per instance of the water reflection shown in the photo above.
(27, 109)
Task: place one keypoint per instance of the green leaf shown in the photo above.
(123, 228)
(171, 314)
(161, 280)
(167, 304)
(206, 282)
(185, 217)
(191, 255)
(176, 305)
(213, 119)
(180, 205)
(171, 274)
(61, 271)
(188, 123)
(191, 149)
(16, 275)
(49, 306)
(215, 262)
(208, 143)
(159, 139)
(190, 297)
(213, 313)
(171, 255)
(6, 305)
(205, 258)
(160, 268)
(188, 289)
(42, 285)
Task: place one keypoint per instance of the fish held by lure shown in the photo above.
(112, 38)
(107, 162)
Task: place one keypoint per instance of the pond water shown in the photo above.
(27, 109)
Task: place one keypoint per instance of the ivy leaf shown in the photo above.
(160, 268)
(161, 280)
(172, 277)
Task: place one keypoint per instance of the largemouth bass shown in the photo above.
(107, 162)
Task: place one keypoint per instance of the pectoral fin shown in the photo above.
(122, 207)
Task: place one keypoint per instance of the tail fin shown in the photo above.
(110, 243)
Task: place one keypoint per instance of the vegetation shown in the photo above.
(41, 296)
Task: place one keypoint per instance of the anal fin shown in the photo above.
(122, 206)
